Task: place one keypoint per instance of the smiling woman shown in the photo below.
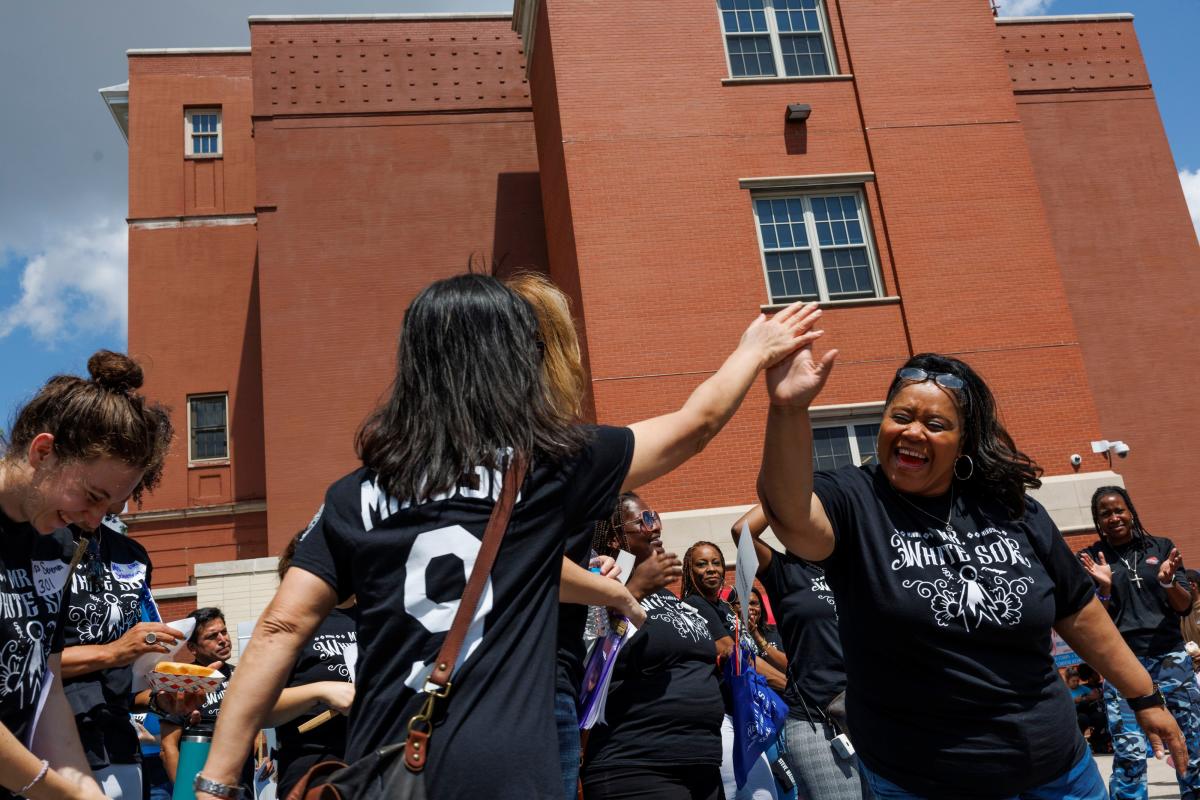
(79, 449)
(938, 553)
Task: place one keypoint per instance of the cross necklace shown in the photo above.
(1134, 578)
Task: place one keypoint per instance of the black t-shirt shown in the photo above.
(951, 688)
(572, 620)
(408, 565)
(664, 705)
(1139, 608)
(211, 706)
(808, 622)
(322, 659)
(106, 594)
(33, 577)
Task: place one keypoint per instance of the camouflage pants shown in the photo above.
(1173, 674)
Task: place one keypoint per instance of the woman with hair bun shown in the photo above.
(1141, 581)
(77, 451)
(948, 579)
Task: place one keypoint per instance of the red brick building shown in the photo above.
(999, 189)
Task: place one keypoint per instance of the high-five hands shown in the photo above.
(791, 329)
(797, 378)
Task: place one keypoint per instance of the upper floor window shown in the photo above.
(816, 247)
(843, 444)
(202, 132)
(208, 427)
(766, 38)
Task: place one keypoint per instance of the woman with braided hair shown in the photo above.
(662, 738)
(1141, 581)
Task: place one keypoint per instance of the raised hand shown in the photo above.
(656, 572)
(774, 338)
(798, 378)
(1166, 573)
(1100, 571)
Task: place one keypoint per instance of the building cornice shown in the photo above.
(1122, 17)
(257, 19)
(188, 51)
(221, 509)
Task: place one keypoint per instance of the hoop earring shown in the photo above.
(970, 469)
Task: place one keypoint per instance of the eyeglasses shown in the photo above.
(944, 379)
(649, 520)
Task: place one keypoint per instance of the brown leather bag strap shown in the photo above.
(514, 476)
(420, 726)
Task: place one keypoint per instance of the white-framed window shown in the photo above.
(816, 246)
(773, 38)
(208, 427)
(202, 132)
(841, 444)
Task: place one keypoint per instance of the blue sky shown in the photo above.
(63, 197)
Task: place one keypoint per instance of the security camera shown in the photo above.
(1121, 449)
(1076, 459)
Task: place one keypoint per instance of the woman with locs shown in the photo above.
(948, 579)
(806, 611)
(468, 395)
(76, 452)
(1141, 582)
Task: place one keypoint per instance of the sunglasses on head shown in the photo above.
(647, 520)
(943, 379)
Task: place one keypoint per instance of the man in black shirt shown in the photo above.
(209, 644)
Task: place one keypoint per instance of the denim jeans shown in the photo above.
(1081, 782)
(1173, 674)
(567, 718)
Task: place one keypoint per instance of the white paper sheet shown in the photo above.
(747, 568)
(626, 561)
(350, 654)
(145, 663)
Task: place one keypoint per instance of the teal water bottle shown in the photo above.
(193, 752)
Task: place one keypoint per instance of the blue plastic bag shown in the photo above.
(758, 713)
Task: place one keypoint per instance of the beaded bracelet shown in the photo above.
(41, 774)
(1103, 598)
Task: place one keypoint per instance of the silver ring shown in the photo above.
(151, 638)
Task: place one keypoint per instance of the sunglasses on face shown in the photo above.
(648, 520)
(943, 379)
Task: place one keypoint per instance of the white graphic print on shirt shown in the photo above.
(105, 606)
(22, 658)
(970, 587)
(330, 647)
(687, 621)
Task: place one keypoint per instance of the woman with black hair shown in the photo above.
(404, 530)
(662, 738)
(1141, 581)
(948, 579)
(816, 674)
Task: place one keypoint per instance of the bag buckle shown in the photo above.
(416, 746)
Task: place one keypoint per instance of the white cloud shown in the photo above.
(76, 285)
(1191, 192)
(1023, 8)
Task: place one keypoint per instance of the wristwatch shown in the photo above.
(1153, 700)
(203, 784)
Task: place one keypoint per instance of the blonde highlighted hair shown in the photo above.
(562, 365)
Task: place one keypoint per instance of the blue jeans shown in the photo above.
(567, 718)
(1080, 782)
(1173, 674)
